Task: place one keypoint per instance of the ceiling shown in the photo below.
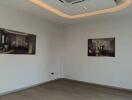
(78, 8)
(91, 5)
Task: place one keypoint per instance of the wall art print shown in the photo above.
(14, 42)
(101, 47)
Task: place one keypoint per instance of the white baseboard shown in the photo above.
(28, 87)
(25, 88)
(101, 85)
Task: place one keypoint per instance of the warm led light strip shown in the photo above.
(44, 5)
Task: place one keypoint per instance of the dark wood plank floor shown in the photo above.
(69, 90)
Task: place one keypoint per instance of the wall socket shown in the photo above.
(52, 73)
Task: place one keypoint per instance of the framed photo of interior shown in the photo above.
(101, 47)
(14, 42)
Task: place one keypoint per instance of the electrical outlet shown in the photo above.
(52, 73)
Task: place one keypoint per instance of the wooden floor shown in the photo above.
(69, 90)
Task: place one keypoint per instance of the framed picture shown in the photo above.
(14, 42)
(101, 47)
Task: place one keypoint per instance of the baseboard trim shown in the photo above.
(89, 83)
(100, 85)
(27, 87)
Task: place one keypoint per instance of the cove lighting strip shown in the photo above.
(50, 8)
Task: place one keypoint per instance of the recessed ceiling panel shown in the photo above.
(81, 7)
(40, 9)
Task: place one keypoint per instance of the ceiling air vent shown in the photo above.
(118, 1)
(72, 1)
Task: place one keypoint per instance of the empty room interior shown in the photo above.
(65, 49)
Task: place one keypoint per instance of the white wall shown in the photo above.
(18, 71)
(100, 70)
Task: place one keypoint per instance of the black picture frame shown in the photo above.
(15, 42)
(101, 47)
